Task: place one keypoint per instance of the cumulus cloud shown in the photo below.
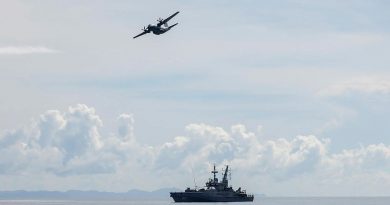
(61, 143)
(22, 50)
(125, 128)
(70, 144)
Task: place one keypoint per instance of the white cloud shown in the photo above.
(70, 144)
(363, 85)
(22, 50)
(125, 128)
(366, 159)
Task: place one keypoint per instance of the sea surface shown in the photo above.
(258, 201)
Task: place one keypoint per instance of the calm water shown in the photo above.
(258, 201)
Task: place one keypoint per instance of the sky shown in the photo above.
(293, 94)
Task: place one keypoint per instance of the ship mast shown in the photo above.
(215, 180)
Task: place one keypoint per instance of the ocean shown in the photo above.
(258, 201)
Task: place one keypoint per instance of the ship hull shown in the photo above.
(207, 197)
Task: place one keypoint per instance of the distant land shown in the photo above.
(85, 195)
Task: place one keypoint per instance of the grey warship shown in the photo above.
(215, 191)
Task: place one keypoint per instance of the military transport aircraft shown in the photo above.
(158, 29)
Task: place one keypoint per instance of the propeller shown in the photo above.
(160, 20)
(145, 29)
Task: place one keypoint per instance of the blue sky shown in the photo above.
(294, 73)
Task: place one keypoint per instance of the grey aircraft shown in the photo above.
(158, 28)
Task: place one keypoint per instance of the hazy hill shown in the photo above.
(76, 194)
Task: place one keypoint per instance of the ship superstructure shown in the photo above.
(215, 191)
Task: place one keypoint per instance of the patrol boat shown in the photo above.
(215, 191)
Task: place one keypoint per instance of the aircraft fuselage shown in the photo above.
(157, 30)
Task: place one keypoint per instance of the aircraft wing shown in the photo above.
(167, 19)
(143, 33)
